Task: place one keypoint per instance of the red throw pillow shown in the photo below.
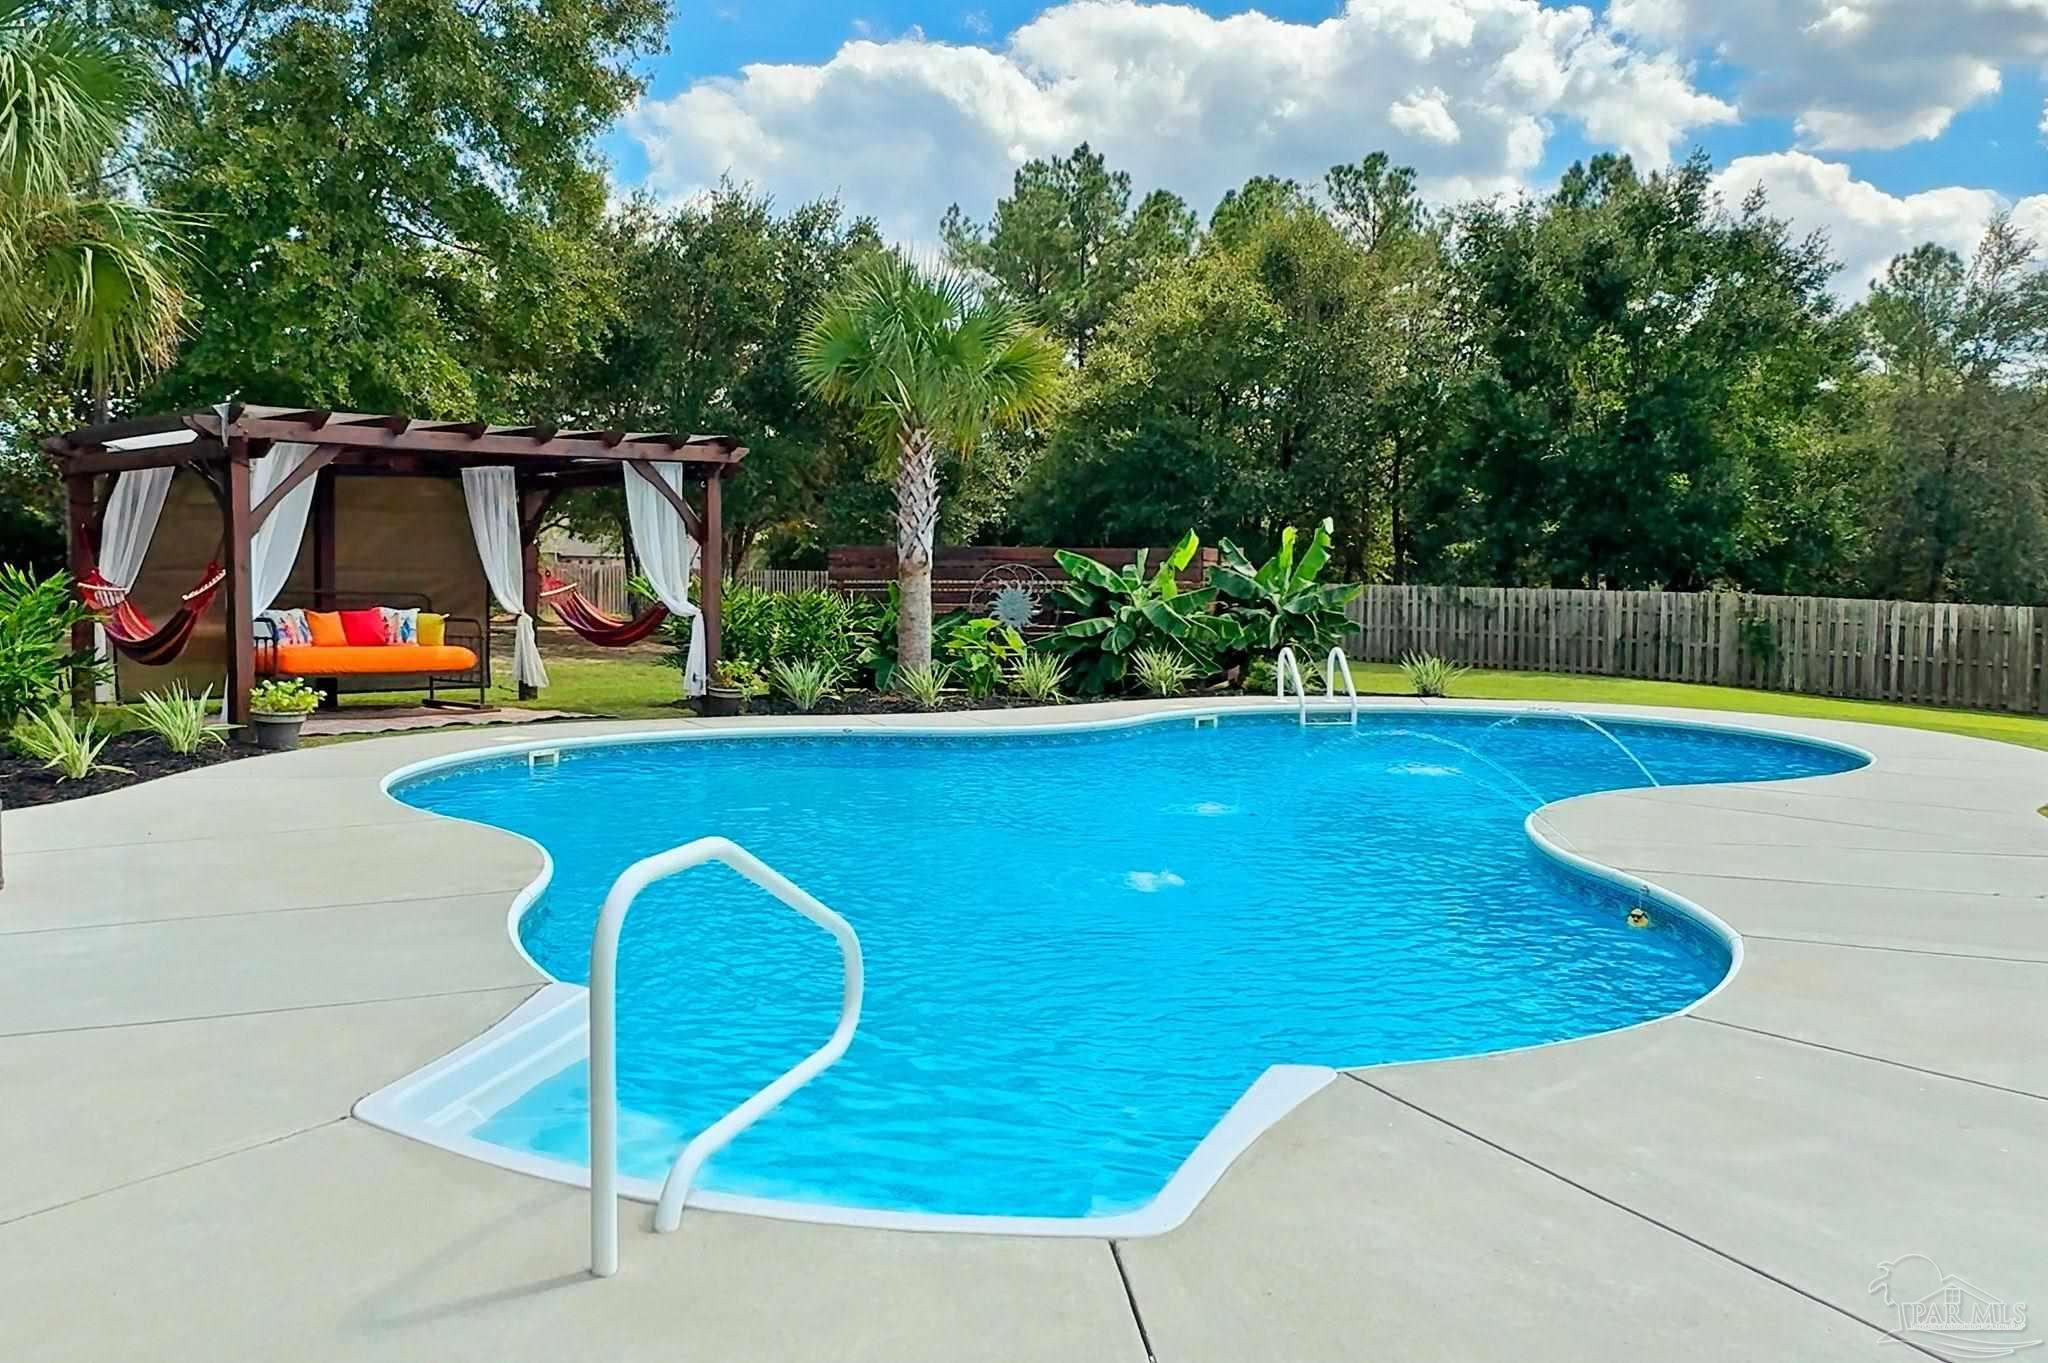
(364, 629)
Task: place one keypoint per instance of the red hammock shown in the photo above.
(129, 630)
(573, 609)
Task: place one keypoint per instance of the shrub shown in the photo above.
(37, 662)
(812, 626)
(805, 683)
(72, 751)
(1261, 675)
(924, 684)
(981, 651)
(1280, 602)
(1039, 676)
(179, 720)
(1121, 611)
(878, 649)
(284, 696)
(1429, 675)
(1162, 671)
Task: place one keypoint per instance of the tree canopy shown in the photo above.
(1624, 381)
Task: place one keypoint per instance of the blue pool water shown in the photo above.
(1083, 947)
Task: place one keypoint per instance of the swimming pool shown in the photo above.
(1083, 947)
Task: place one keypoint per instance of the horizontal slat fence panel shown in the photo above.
(602, 579)
(1962, 656)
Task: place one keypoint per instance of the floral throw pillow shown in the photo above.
(291, 626)
(401, 627)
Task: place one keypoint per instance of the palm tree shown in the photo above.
(88, 270)
(929, 362)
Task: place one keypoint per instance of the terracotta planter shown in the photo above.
(723, 702)
(276, 733)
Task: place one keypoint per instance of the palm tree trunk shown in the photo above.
(917, 523)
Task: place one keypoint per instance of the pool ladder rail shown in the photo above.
(1334, 666)
(604, 1073)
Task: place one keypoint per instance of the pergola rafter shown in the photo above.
(220, 445)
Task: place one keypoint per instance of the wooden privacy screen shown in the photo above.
(1976, 657)
(961, 575)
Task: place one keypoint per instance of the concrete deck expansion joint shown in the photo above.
(187, 1019)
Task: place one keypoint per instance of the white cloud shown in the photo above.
(1866, 225)
(1466, 90)
(1425, 114)
(1854, 73)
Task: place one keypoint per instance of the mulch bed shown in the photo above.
(876, 703)
(23, 781)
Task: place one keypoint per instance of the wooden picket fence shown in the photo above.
(602, 578)
(1974, 657)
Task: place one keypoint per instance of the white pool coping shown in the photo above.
(443, 1103)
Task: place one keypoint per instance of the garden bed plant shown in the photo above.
(54, 749)
(1129, 632)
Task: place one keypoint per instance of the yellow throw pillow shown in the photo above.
(433, 630)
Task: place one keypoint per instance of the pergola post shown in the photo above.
(240, 585)
(533, 509)
(323, 567)
(711, 584)
(81, 531)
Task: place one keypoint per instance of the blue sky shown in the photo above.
(1881, 121)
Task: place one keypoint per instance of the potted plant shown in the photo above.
(277, 709)
(733, 683)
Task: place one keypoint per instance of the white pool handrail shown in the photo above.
(1283, 665)
(1335, 666)
(604, 1074)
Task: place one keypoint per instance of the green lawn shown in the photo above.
(2027, 730)
(646, 688)
(616, 688)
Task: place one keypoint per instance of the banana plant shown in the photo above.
(1120, 611)
(1280, 602)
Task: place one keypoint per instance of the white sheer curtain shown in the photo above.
(129, 525)
(275, 545)
(668, 555)
(493, 498)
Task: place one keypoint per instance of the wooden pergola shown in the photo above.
(220, 446)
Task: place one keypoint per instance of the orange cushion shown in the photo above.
(365, 629)
(325, 627)
(316, 660)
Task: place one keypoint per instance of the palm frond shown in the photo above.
(103, 274)
(67, 95)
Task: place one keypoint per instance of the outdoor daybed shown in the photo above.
(377, 642)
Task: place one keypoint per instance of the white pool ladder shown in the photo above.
(604, 1073)
(1335, 666)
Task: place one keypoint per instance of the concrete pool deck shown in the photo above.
(200, 976)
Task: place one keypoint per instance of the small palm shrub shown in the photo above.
(1039, 676)
(1429, 675)
(1162, 671)
(179, 720)
(69, 749)
(925, 685)
(804, 683)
